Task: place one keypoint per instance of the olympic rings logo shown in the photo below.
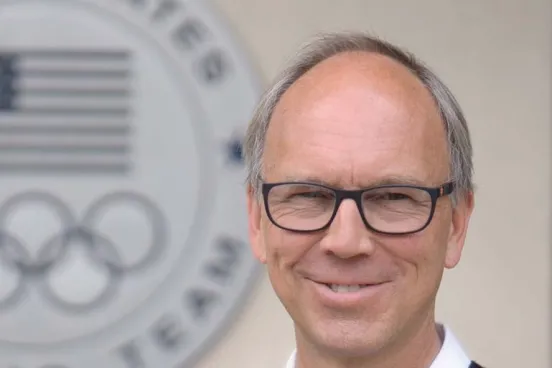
(100, 249)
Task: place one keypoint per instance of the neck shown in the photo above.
(417, 350)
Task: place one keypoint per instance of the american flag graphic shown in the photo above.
(65, 111)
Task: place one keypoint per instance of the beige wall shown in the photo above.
(496, 56)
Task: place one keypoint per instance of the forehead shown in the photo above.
(355, 119)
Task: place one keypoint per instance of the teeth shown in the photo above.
(345, 288)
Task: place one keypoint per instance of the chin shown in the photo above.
(349, 338)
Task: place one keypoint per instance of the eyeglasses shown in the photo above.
(389, 209)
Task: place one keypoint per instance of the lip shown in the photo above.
(350, 299)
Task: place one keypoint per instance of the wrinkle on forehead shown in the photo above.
(354, 116)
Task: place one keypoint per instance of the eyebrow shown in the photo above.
(399, 180)
(387, 180)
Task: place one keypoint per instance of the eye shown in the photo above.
(388, 196)
(394, 196)
(312, 195)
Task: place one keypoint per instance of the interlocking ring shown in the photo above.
(99, 248)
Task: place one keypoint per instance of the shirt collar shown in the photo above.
(451, 355)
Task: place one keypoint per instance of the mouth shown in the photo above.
(347, 295)
(340, 288)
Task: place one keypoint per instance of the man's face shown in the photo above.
(354, 121)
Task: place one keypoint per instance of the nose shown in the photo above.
(347, 236)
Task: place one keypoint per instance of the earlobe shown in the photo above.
(458, 229)
(254, 225)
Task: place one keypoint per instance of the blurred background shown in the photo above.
(495, 55)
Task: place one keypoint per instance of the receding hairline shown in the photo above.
(408, 81)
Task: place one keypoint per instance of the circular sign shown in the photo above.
(122, 208)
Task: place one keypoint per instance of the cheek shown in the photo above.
(284, 248)
(420, 258)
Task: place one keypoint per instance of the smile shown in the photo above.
(347, 295)
(336, 288)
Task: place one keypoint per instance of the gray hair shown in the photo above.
(328, 45)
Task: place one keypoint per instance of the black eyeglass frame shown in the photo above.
(356, 195)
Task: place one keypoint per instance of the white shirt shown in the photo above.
(451, 355)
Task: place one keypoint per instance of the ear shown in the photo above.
(461, 214)
(254, 225)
